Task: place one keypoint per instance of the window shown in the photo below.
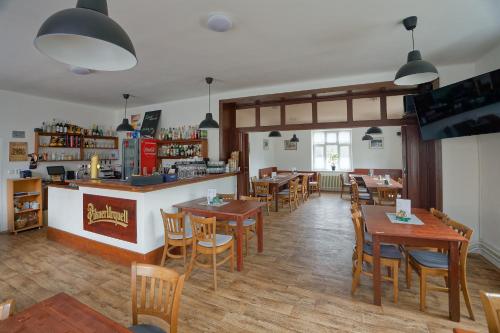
(332, 147)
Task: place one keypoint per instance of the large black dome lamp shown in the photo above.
(209, 121)
(125, 125)
(86, 37)
(415, 71)
(275, 134)
(374, 130)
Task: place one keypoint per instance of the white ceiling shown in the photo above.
(272, 42)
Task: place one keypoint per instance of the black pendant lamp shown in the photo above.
(294, 138)
(415, 71)
(367, 137)
(275, 134)
(374, 130)
(125, 126)
(86, 37)
(209, 121)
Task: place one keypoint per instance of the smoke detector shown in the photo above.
(80, 70)
(219, 22)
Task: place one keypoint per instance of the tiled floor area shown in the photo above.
(301, 283)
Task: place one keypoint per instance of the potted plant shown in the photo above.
(333, 159)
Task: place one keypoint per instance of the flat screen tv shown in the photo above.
(469, 107)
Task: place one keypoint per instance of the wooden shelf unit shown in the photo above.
(82, 147)
(195, 142)
(24, 185)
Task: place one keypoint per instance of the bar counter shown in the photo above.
(121, 222)
(125, 186)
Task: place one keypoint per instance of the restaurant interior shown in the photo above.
(165, 167)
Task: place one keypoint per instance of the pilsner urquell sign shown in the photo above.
(112, 217)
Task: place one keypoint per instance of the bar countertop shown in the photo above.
(119, 185)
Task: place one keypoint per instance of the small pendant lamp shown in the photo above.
(294, 138)
(374, 130)
(275, 134)
(86, 37)
(209, 121)
(125, 126)
(367, 137)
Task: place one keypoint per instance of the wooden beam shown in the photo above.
(315, 110)
(383, 107)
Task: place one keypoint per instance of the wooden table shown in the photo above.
(433, 233)
(235, 210)
(276, 183)
(375, 182)
(60, 314)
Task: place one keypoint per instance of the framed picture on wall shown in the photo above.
(290, 145)
(18, 151)
(376, 143)
(265, 144)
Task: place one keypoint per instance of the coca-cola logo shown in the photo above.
(150, 149)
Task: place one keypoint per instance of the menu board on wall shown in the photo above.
(112, 217)
(150, 123)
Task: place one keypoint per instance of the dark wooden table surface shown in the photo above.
(60, 314)
(236, 210)
(375, 182)
(433, 233)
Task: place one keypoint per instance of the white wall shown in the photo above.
(363, 157)
(258, 157)
(24, 113)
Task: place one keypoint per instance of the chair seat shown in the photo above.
(189, 234)
(365, 196)
(430, 259)
(284, 192)
(219, 241)
(362, 190)
(263, 195)
(313, 183)
(386, 251)
(246, 223)
(144, 328)
(368, 237)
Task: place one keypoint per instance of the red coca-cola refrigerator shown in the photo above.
(139, 157)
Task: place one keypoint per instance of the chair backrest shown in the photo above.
(304, 179)
(156, 291)
(173, 224)
(261, 188)
(358, 233)
(253, 179)
(204, 229)
(7, 309)
(439, 214)
(318, 179)
(491, 306)
(466, 232)
(293, 187)
(387, 194)
(355, 207)
(354, 192)
(248, 198)
(227, 196)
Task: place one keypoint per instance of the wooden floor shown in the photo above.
(301, 283)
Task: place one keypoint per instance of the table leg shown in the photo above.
(275, 193)
(260, 231)
(239, 244)
(454, 282)
(376, 270)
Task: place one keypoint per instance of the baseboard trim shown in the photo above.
(106, 251)
(486, 251)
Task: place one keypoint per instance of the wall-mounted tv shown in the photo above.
(469, 107)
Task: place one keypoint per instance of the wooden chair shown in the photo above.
(261, 191)
(315, 185)
(387, 196)
(159, 296)
(7, 309)
(291, 195)
(491, 306)
(390, 257)
(303, 188)
(344, 185)
(428, 263)
(248, 225)
(360, 198)
(177, 235)
(252, 180)
(207, 242)
(439, 214)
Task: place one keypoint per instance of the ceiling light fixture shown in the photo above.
(209, 121)
(86, 37)
(275, 134)
(374, 130)
(219, 22)
(294, 138)
(415, 71)
(367, 137)
(125, 126)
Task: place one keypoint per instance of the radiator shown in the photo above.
(330, 182)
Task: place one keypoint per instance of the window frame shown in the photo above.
(324, 146)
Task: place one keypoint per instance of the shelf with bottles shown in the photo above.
(179, 149)
(59, 128)
(182, 133)
(100, 143)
